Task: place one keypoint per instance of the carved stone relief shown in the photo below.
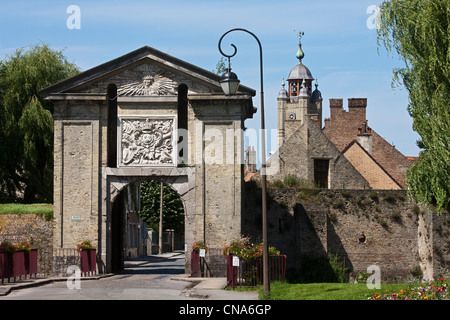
(145, 80)
(151, 85)
(147, 141)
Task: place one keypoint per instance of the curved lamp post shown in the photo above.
(230, 84)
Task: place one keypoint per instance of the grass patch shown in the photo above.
(41, 209)
(325, 291)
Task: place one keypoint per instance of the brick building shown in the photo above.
(345, 153)
(347, 129)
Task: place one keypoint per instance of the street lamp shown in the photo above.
(229, 81)
(226, 81)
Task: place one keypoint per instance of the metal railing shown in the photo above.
(62, 259)
(250, 273)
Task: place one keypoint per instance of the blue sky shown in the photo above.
(340, 49)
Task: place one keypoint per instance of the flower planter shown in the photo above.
(31, 262)
(195, 264)
(6, 266)
(19, 269)
(18, 264)
(88, 262)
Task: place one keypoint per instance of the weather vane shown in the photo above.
(300, 35)
(300, 54)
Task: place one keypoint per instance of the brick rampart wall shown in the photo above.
(400, 236)
(33, 229)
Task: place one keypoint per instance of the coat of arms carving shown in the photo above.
(148, 141)
(151, 85)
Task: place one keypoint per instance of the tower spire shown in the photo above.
(300, 54)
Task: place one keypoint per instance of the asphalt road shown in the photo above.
(142, 281)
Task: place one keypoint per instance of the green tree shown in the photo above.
(221, 66)
(419, 31)
(173, 212)
(26, 122)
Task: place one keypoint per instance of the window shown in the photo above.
(321, 172)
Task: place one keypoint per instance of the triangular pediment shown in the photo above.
(143, 72)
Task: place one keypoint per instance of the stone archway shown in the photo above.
(115, 180)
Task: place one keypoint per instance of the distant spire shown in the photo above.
(317, 94)
(283, 93)
(304, 89)
(300, 54)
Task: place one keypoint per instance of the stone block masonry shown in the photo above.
(118, 123)
(361, 227)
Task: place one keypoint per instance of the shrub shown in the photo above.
(85, 245)
(247, 250)
(390, 198)
(7, 246)
(199, 245)
(277, 184)
(416, 272)
(362, 277)
(339, 204)
(319, 269)
(373, 195)
(23, 246)
(236, 248)
(397, 217)
(346, 195)
(291, 180)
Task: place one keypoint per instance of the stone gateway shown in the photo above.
(146, 115)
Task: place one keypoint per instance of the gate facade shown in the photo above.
(147, 115)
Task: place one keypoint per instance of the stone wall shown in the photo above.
(361, 227)
(33, 229)
(296, 157)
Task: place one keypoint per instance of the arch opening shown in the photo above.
(135, 222)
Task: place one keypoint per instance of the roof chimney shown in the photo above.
(364, 138)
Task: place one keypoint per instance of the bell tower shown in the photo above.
(299, 100)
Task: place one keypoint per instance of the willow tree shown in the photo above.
(26, 122)
(419, 32)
